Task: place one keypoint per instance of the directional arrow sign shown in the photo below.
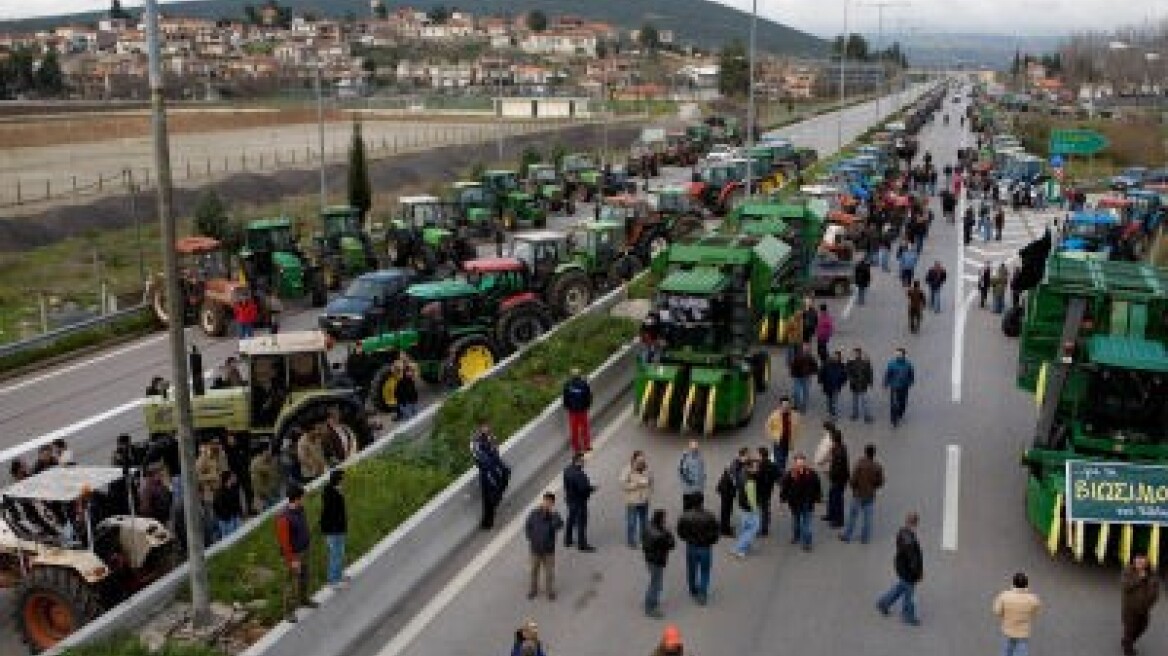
(1076, 142)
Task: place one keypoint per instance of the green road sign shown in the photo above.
(1076, 142)
(1116, 493)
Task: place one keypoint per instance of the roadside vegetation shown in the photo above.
(1134, 141)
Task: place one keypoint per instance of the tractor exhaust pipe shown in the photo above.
(195, 362)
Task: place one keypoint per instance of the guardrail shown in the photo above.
(53, 336)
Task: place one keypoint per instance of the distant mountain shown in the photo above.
(995, 51)
(698, 22)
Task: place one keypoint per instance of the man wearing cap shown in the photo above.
(577, 401)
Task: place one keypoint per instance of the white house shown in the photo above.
(560, 42)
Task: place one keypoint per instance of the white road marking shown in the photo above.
(410, 632)
(78, 365)
(971, 277)
(850, 305)
(959, 343)
(949, 519)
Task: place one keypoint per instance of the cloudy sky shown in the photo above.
(825, 17)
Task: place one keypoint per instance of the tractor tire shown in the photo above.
(51, 603)
(521, 325)
(570, 293)
(213, 319)
(760, 369)
(471, 358)
(383, 389)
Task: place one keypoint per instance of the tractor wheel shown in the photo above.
(571, 292)
(760, 369)
(521, 325)
(213, 319)
(695, 415)
(472, 358)
(51, 603)
(383, 389)
(158, 302)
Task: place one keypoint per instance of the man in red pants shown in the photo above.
(577, 401)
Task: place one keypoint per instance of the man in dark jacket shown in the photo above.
(407, 394)
(1141, 589)
(153, 498)
(867, 477)
(910, 569)
(577, 401)
(657, 544)
(837, 479)
(728, 489)
(860, 378)
(935, 279)
(862, 277)
(832, 377)
(542, 525)
(899, 376)
(698, 528)
(577, 489)
(765, 482)
(810, 317)
(803, 367)
(801, 490)
(494, 474)
(334, 525)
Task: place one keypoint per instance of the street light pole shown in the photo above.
(750, 102)
(320, 132)
(193, 519)
(839, 115)
(880, 7)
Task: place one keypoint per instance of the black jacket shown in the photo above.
(227, 504)
(333, 518)
(838, 469)
(909, 562)
(407, 391)
(577, 396)
(765, 481)
(863, 274)
(800, 492)
(541, 530)
(698, 527)
(657, 544)
(859, 374)
(577, 486)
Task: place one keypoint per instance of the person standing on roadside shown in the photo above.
(999, 223)
(969, 222)
(907, 257)
(768, 478)
(910, 569)
(783, 428)
(727, 489)
(246, 313)
(867, 477)
(800, 489)
(494, 474)
(935, 280)
(833, 375)
(637, 483)
(542, 524)
(803, 367)
(227, 505)
(294, 539)
(698, 528)
(154, 500)
(334, 525)
(578, 488)
(1141, 589)
(692, 472)
(899, 377)
(1017, 608)
(748, 504)
(577, 399)
(860, 378)
(657, 545)
(862, 278)
(264, 480)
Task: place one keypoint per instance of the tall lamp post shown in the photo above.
(200, 597)
(320, 132)
(839, 115)
(880, 7)
(750, 119)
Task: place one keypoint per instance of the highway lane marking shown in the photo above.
(410, 632)
(952, 505)
(83, 363)
(850, 305)
(959, 343)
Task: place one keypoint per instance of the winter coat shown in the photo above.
(577, 486)
(935, 278)
(908, 259)
(909, 563)
(656, 545)
(310, 454)
(810, 320)
(916, 300)
(577, 395)
(766, 480)
(638, 486)
(899, 374)
(209, 469)
(692, 471)
(1139, 595)
(1017, 608)
(774, 427)
(494, 474)
(292, 533)
(862, 276)
(227, 504)
(803, 365)
(824, 327)
(832, 376)
(334, 520)
(698, 527)
(541, 528)
(727, 483)
(867, 477)
(800, 491)
(859, 374)
(837, 467)
(264, 481)
(154, 500)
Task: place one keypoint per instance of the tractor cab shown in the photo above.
(670, 201)
(546, 185)
(272, 259)
(501, 182)
(514, 206)
(282, 369)
(542, 252)
(205, 280)
(473, 206)
(618, 180)
(427, 235)
(497, 278)
(344, 248)
(438, 312)
(717, 185)
(1089, 235)
(581, 176)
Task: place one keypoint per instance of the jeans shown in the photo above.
(861, 293)
(781, 451)
(863, 510)
(1015, 647)
(335, 542)
(914, 321)
(860, 405)
(697, 570)
(832, 402)
(801, 523)
(800, 388)
(935, 299)
(653, 592)
(578, 520)
(835, 504)
(999, 303)
(747, 532)
(225, 527)
(898, 590)
(898, 400)
(882, 256)
(906, 276)
(636, 519)
(246, 331)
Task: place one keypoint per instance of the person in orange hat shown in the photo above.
(670, 642)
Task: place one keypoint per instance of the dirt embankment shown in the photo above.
(387, 175)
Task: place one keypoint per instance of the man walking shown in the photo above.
(293, 537)
(577, 399)
(907, 258)
(783, 428)
(833, 375)
(824, 329)
(657, 545)
(803, 367)
(577, 490)
(748, 504)
(637, 483)
(934, 280)
(998, 284)
(1141, 589)
(692, 472)
(540, 529)
(1017, 608)
(334, 524)
(867, 477)
(910, 569)
(801, 490)
(862, 278)
(983, 284)
(837, 478)
(916, 306)
(494, 474)
(698, 528)
(898, 378)
(768, 478)
(727, 490)
(860, 377)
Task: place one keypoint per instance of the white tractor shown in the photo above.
(72, 547)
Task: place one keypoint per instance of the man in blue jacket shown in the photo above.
(898, 378)
(577, 402)
(577, 489)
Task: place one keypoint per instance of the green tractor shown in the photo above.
(344, 249)
(514, 207)
(427, 236)
(290, 387)
(273, 260)
(547, 186)
(707, 373)
(474, 207)
(1094, 351)
(455, 332)
(582, 176)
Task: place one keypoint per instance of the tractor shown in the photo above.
(290, 388)
(513, 207)
(455, 332)
(344, 249)
(206, 284)
(706, 374)
(73, 546)
(617, 180)
(472, 207)
(274, 263)
(427, 236)
(719, 186)
(646, 154)
(678, 150)
(581, 176)
(548, 188)
(648, 230)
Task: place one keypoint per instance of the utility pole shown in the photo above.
(320, 131)
(499, 110)
(750, 103)
(839, 115)
(193, 519)
(880, 7)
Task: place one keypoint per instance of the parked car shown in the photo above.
(373, 303)
(1129, 178)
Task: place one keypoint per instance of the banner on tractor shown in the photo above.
(1116, 493)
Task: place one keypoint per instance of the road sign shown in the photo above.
(1077, 142)
(1116, 493)
(1056, 161)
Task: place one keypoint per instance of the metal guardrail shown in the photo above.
(53, 336)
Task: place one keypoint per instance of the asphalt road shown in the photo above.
(90, 401)
(819, 603)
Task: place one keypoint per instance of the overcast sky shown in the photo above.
(825, 17)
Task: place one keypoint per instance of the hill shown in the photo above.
(698, 22)
(994, 51)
